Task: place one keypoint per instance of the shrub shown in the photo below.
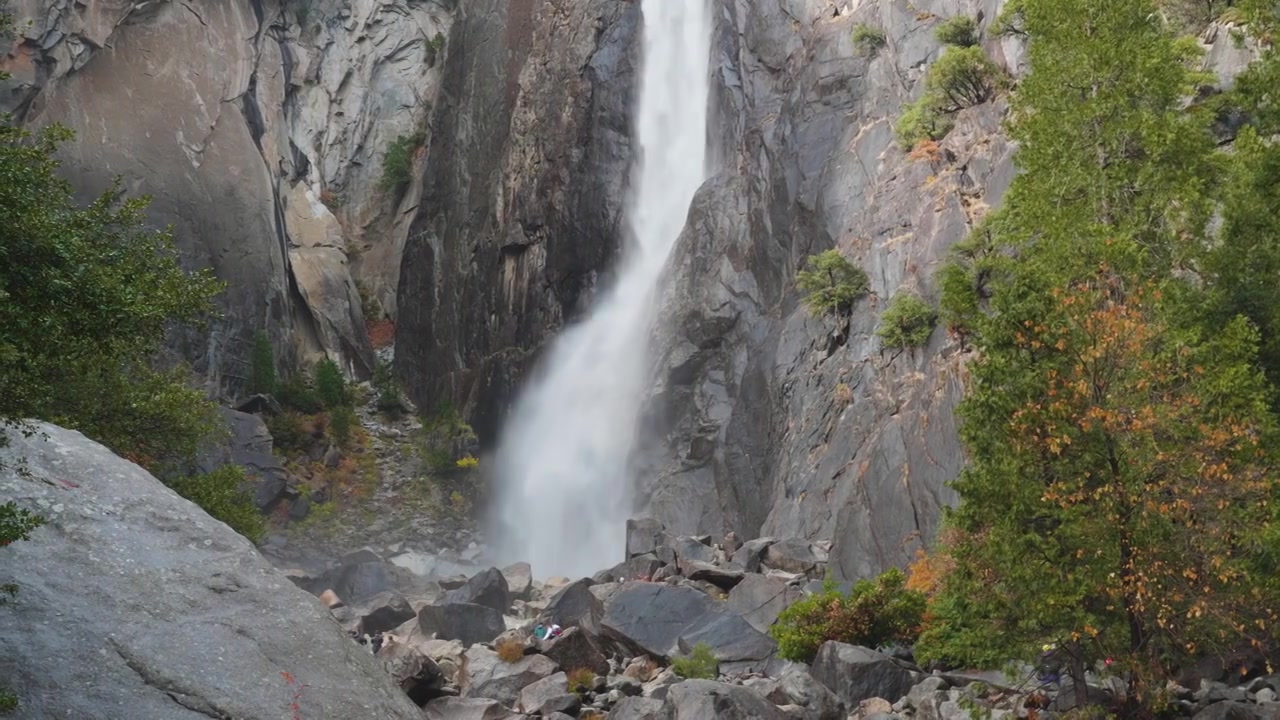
(262, 366)
(342, 422)
(868, 39)
(397, 161)
(580, 680)
(331, 387)
(961, 78)
(389, 401)
(468, 462)
(831, 283)
(1012, 19)
(921, 122)
(872, 614)
(287, 432)
(960, 31)
(297, 393)
(221, 495)
(510, 650)
(700, 664)
(907, 322)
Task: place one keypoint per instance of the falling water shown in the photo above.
(563, 488)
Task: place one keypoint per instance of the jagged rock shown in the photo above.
(747, 557)
(800, 688)
(487, 588)
(640, 708)
(564, 706)
(575, 606)
(448, 655)
(519, 577)
(248, 445)
(418, 675)
(731, 543)
(723, 578)
(759, 600)
(793, 556)
(651, 617)
(135, 603)
(358, 577)
(708, 700)
(855, 673)
(576, 648)
(383, 612)
(658, 687)
(466, 623)
(533, 695)
(489, 677)
(691, 549)
(641, 669)
(604, 576)
(452, 708)
(604, 592)
(932, 688)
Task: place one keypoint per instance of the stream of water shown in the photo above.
(563, 491)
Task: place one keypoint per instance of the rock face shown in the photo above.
(149, 608)
(258, 128)
(524, 187)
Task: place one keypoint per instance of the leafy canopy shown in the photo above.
(907, 322)
(831, 283)
(874, 613)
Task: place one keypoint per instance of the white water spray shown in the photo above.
(563, 490)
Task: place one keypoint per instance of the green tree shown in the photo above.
(262, 366)
(331, 386)
(868, 39)
(960, 31)
(907, 322)
(831, 283)
(397, 161)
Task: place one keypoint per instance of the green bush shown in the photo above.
(219, 493)
(1012, 19)
(961, 78)
(298, 393)
(342, 422)
(831, 283)
(868, 39)
(389, 401)
(960, 31)
(874, 613)
(287, 432)
(262, 366)
(331, 387)
(397, 161)
(700, 664)
(920, 121)
(907, 322)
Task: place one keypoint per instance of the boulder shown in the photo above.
(792, 556)
(644, 536)
(800, 688)
(708, 700)
(1239, 711)
(731, 543)
(135, 603)
(731, 638)
(248, 445)
(723, 578)
(418, 675)
(575, 606)
(759, 600)
(691, 549)
(640, 567)
(519, 577)
(577, 648)
(489, 677)
(487, 588)
(561, 706)
(747, 557)
(358, 577)
(448, 655)
(640, 708)
(452, 708)
(650, 617)
(466, 623)
(855, 673)
(533, 695)
(383, 612)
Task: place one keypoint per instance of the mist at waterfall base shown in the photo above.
(562, 490)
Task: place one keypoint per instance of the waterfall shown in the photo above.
(562, 488)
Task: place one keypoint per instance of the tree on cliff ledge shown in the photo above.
(1117, 499)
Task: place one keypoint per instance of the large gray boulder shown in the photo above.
(855, 674)
(490, 677)
(650, 617)
(135, 603)
(248, 445)
(452, 708)
(708, 700)
(760, 600)
(487, 588)
(464, 622)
